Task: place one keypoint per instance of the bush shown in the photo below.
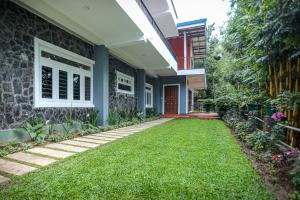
(209, 104)
(151, 112)
(277, 133)
(296, 175)
(259, 140)
(242, 129)
(36, 129)
(225, 103)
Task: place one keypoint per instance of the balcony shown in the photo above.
(155, 26)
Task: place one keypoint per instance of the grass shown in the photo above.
(181, 159)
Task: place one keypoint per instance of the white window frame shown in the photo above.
(151, 93)
(39, 61)
(125, 77)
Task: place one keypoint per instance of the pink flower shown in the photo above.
(291, 153)
(279, 116)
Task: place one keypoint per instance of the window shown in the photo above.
(63, 84)
(125, 83)
(76, 87)
(62, 78)
(87, 81)
(149, 96)
(47, 75)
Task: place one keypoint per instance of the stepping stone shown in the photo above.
(78, 143)
(4, 180)
(96, 138)
(91, 140)
(50, 152)
(14, 167)
(124, 131)
(106, 136)
(30, 158)
(117, 134)
(66, 147)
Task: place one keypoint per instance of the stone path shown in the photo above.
(51, 153)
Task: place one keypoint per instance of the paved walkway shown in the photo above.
(24, 162)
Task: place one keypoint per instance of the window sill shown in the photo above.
(63, 105)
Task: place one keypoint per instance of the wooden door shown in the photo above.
(171, 99)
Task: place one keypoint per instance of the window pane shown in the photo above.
(148, 98)
(76, 87)
(63, 85)
(124, 87)
(47, 75)
(87, 83)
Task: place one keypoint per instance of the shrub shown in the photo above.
(231, 119)
(151, 112)
(295, 173)
(259, 140)
(242, 129)
(277, 133)
(36, 129)
(13, 147)
(224, 104)
(209, 104)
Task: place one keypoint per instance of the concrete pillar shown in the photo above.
(101, 83)
(156, 96)
(141, 83)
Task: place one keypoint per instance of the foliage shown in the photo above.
(296, 175)
(151, 112)
(113, 118)
(35, 127)
(286, 101)
(225, 103)
(187, 146)
(259, 140)
(116, 118)
(92, 118)
(13, 147)
(243, 128)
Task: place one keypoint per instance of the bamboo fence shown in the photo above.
(285, 76)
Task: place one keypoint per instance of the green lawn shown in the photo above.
(181, 159)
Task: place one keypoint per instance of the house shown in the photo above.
(107, 55)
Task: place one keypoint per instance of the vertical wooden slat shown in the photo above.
(270, 80)
(275, 81)
(280, 78)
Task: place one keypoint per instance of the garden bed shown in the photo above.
(276, 181)
(276, 162)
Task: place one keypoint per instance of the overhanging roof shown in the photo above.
(196, 30)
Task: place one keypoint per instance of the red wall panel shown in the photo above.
(177, 45)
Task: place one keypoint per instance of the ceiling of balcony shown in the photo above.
(102, 22)
(164, 15)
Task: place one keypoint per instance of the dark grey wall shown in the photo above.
(18, 27)
(155, 83)
(120, 101)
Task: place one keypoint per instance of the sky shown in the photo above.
(214, 10)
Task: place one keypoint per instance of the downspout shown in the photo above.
(184, 50)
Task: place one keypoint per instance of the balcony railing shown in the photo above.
(155, 26)
(194, 63)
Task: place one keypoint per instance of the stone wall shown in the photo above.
(18, 27)
(120, 101)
